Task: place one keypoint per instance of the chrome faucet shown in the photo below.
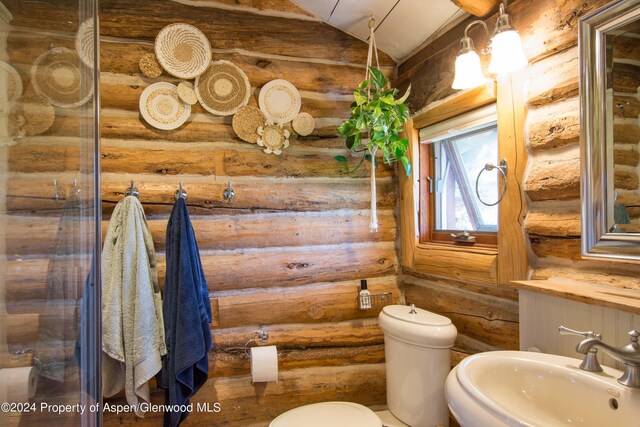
(590, 362)
(629, 354)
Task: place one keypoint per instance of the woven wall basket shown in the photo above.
(149, 66)
(246, 123)
(303, 124)
(162, 108)
(183, 50)
(59, 77)
(84, 42)
(280, 101)
(223, 88)
(13, 81)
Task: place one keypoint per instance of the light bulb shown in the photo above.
(506, 53)
(468, 71)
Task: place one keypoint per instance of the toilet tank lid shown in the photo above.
(420, 317)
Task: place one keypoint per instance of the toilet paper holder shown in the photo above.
(260, 335)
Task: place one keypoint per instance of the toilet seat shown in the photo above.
(333, 414)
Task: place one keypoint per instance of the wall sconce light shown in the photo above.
(506, 53)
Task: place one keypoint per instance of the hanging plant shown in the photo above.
(377, 119)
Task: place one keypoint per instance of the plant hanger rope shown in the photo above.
(373, 51)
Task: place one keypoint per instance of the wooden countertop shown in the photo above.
(588, 293)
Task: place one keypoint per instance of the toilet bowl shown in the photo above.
(417, 351)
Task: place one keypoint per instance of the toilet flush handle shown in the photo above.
(413, 309)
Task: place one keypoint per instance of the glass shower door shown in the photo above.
(49, 214)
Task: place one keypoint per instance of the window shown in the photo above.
(452, 155)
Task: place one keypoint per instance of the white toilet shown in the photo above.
(417, 350)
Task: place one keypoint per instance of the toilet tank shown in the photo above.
(417, 347)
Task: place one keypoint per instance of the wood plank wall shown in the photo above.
(289, 250)
(552, 184)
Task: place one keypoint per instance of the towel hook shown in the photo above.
(261, 335)
(180, 193)
(132, 190)
(228, 194)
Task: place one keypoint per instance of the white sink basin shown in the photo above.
(517, 388)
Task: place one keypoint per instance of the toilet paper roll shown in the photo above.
(19, 384)
(264, 364)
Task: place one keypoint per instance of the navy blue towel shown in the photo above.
(187, 315)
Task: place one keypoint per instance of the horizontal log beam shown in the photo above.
(277, 36)
(491, 320)
(348, 333)
(553, 224)
(33, 193)
(236, 364)
(222, 231)
(626, 155)
(554, 180)
(332, 302)
(227, 270)
(568, 248)
(556, 79)
(470, 266)
(477, 8)
(232, 160)
(555, 125)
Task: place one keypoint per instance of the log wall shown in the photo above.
(552, 183)
(287, 252)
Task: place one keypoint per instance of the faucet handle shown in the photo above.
(634, 335)
(587, 334)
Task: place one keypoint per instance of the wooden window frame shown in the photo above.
(427, 228)
(492, 266)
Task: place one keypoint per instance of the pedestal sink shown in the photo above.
(517, 388)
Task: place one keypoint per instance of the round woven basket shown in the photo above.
(223, 88)
(84, 42)
(149, 66)
(58, 77)
(183, 50)
(162, 108)
(280, 101)
(13, 81)
(246, 122)
(187, 93)
(38, 115)
(303, 124)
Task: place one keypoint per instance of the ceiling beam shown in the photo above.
(479, 8)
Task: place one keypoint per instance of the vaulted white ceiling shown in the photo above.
(401, 25)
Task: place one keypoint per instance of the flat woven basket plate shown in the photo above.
(60, 78)
(223, 88)
(246, 123)
(84, 42)
(183, 50)
(162, 108)
(280, 101)
(14, 82)
(303, 124)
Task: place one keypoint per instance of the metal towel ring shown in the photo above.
(502, 168)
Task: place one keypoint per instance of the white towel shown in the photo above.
(132, 326)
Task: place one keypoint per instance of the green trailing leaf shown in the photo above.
(341, 159)
(406, 164)
(405, 96)
(360, 97)
(378, 79)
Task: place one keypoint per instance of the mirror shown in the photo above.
(609, 41)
